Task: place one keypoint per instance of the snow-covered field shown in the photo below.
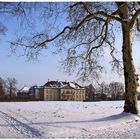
(67, 120)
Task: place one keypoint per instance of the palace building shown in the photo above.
(60, 91)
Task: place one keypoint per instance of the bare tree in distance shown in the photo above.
(103, 90)
(11, 88)
(89, 30)
(90, 92)
(116, 89)
(2, 90)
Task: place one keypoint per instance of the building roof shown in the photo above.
(62, 84)
(25, 89)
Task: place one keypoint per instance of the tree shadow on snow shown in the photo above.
(113, 118)
(116, 117)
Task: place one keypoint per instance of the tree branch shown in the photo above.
(75, 4)
(134, 18)
(112, 16)
(116, 62)
(86, 7)
(99, 16)
(102, 38)
(138, 25)
(102, 13)
(90, 16)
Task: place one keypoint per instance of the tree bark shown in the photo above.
(131, 79)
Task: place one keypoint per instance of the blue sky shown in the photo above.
(31, 73)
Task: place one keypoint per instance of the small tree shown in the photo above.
(11, 87)
(103, 90)
(90, 92)
(2, 92)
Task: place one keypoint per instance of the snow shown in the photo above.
(25, 89)
(54, 119)
(72, 85)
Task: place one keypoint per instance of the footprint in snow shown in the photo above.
(59, 116)
(85, 130)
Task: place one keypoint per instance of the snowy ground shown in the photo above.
(67, 120)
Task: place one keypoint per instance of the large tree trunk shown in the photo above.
(131, 79)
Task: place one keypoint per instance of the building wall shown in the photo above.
(51, 94)
(67, 94)
(39, 93)
(72, 94)
(80, 94)
(57, 94)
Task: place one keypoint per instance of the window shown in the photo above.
(83, 96)
(46, 90)
(46, 97)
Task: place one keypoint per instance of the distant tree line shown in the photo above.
(104, 92)
(8, 87)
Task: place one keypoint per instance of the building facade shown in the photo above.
(69, 93)
(60, 91)
(51, 94)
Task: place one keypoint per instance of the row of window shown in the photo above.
(74, 91)
(80, 96)
(50, 97)
(75, 97)
(51, 91)
(62, 91)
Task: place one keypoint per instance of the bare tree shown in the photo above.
(116, 89)
(103, 90)
(2, 91)
(90, 92)
(88, 31)
(11, 87)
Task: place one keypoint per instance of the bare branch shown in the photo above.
(138, 24)
(134, 18)
(75, 4)
(88, 17)
(116, 63)
(3, 29)
(87, 8)
(102, 38)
